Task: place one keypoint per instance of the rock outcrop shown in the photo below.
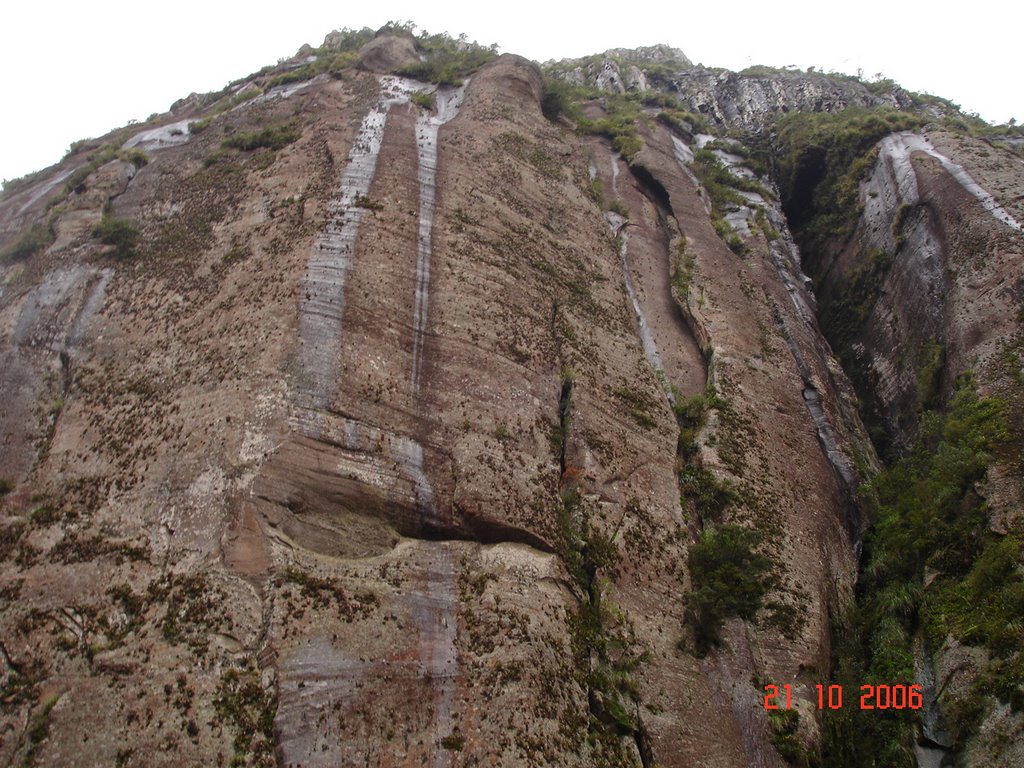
(378, 421)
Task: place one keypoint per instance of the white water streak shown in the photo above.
(617, 224)
(321, 320)
(323, 287)
(899, 147)
(448, 102)
(169, 135)
(45, 189)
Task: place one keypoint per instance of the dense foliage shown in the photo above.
(730, 578)
(933, 570)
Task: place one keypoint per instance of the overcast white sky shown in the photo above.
(73, 70)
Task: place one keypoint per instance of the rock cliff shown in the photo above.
(397, 405)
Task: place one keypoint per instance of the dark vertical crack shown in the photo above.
(643, 744)
(564, 410)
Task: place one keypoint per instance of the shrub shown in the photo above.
(447, 60)
(453, 742)
(36, 238)
(784, 725)
(120, 233)
(198, 126)
(682, 275)
(365, 201)
(929, 375)
(424, 100)
(709, 495)
(561, 97)
(248, 710)
(135, 156)
(275, 137)
(729, 579)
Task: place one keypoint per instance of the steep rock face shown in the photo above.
(385, 54)
(623, 70)
(950, 253)
(371, 453)
(750, 102)
(928, 287)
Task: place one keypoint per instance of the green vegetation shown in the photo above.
(192, 610)
(365, 201)
(135, 156)
(619, 125)
(101, 156)
(447, 61)
(120, 233)
(822, 157)
(720, 182)
(721, 185)
(38, 730)
(623, 112)
(248, 709)
(784, 724)
(928, 516)
(843, 317)
(603, 644)
(424, 100)
(929, 375)
(639, 404)
(841, 320)
(198, 126)
(682, 270)
(41, 235)
(454, 741)
(710, 496)
(559, 98)
(274, 137)
(692, 414)
(323, 591)
(730, 579)
(33, 240)
(327, 62)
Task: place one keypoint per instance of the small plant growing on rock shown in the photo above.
(120, 233)
(276, 137)
(365, 201)
(423, 100)
(33, 240)
(453, 742)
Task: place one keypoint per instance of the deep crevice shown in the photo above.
(643, 745)
(564, 407)
(482, 532)
(653, 188)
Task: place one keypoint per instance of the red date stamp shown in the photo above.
(831, 697)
